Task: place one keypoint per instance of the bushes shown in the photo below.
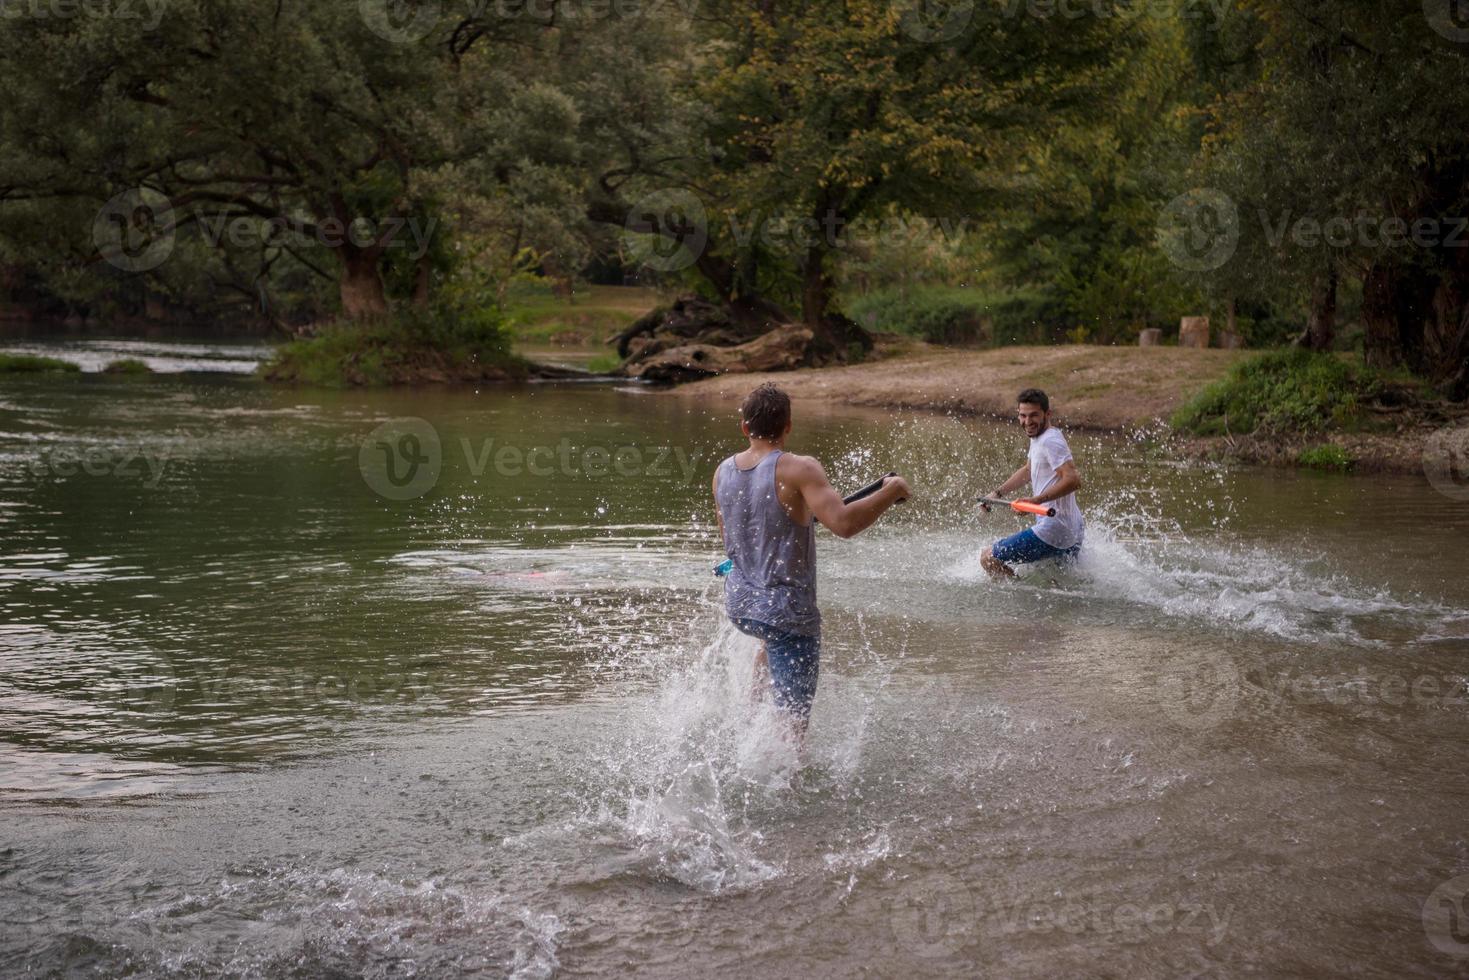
(961, 316)
(1283, 391)
(1325, 457)
(408, 346)
(127, 365)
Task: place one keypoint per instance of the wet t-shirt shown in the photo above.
(1047, 452)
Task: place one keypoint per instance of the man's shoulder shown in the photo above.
(797, 465)
(1053, 434)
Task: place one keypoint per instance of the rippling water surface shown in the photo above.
(258, 717)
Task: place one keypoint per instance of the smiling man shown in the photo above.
(1052, 475)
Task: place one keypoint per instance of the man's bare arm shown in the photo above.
(843, 519)
(1068, 480)
(1017, 480)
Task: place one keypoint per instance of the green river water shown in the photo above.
(275, 703)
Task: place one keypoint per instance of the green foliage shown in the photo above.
(127, 365)
(1289, 391)
(962, 316)
(31, 364)
(413, 345)
(1325, 457)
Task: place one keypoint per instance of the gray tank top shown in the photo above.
(773, 580)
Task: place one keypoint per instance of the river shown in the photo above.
(290, 689)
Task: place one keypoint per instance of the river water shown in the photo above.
(287, 694)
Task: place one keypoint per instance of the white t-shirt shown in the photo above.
(1047, 452)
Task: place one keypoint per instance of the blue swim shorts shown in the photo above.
(1019, 549)
(795, 662)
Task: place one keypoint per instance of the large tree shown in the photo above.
(1346, 155)
(822, 115)
(267, 134)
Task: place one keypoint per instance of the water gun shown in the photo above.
(724, 567)
(1020, 506)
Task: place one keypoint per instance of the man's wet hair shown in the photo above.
(1034, 396)
(767, 411)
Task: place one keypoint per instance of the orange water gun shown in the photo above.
(1020, 506)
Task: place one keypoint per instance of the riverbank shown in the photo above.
(1100, 388)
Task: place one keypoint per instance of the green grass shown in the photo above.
(536, 315)
(960, 316)
(603, 363)
(1325, 457)
(31, 364)
(1287, 391)
(411, 346)
(127, 365)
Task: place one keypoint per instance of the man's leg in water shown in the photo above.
(1021, 548)
(794, 662)
(760, 680)
(993, 565)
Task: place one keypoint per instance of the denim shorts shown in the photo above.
(1019, 549)
(795, 661)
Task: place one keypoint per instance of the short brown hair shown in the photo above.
(767, 411)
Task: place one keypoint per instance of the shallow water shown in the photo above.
(263, 713)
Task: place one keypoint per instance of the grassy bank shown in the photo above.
(409, 347)
(31, 364)
(536, 316)
(1320, 411)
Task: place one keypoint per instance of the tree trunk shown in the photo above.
(1321, 321)
(833, 334)
(1448, 334)
(361, 284)
(422, 283)
(1381, 346)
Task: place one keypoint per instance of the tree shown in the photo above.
(273, 136)
(823, 115)
(1347, 156)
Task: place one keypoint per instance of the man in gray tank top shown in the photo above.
(768, 502)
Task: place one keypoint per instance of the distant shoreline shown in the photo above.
(1108, 389)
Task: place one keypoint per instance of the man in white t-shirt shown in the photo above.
(1051, 473)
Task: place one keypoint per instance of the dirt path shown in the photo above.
(1089, 387)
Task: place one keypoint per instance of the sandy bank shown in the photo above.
(1106, 388)
(1089, 387)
